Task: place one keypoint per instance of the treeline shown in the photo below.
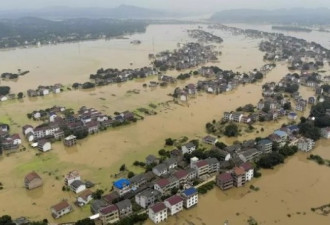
(31, 31)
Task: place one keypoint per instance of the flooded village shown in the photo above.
(169, 166)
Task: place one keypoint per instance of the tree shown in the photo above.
(270, 160)
(220, 145)
(287, 106)
(6, 220)
(130, 174)
(86, 221)
(231, 130)
(308, 130)
(122, 167)
(169, 141)
(97, 194)
(20, 95)
(4, 90)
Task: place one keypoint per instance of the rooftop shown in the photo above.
(31, 176)
(225, 177)
(173, 200)
(121, 183)
(190, 191)
(160, 206)
(60, 206)
(108, 209)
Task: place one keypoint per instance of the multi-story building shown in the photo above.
(158, 212)
(190, 197)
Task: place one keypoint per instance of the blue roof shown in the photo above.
(190, 191)
(264, 141)
(121, 183)
(280, 133)
(292, 114)
(293, 127)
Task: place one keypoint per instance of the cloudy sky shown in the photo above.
(174, 5)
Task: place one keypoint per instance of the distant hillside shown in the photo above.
(285, 16)
(120, 12)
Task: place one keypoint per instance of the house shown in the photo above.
(122, 186)
(70, 141)
(61, 209)
(97, 205)
(171, 163)
(210, 140)
(283, 136)
(325, 132)
(249, 171)
(151, 159)
(174, 204)
(160, 169)
(249, 154)
(44, 145)
(147, 197)
(305, 144)
(181, 175)
(237, 117)
(32, 180)
(224, 155)
(225, 181)
(157, 212)
(109, 214)
(71, 177)
(111, 197)
(190, 197)
(227, 116)
(84, 197)
(138, 180)
(188, 148)
(30, 137)
(201, 166)
(27, 129)
(265, 146)
(77, 186)
(124, 208)
(164, 185)
(214, 165)
(292, 116)
(238, 176)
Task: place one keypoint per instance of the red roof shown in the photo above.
(180, 174)
(60, 206)
(201, 163)
(160, 206)
(31, 176)
(225, 177)
(239, 171)
(163, 183)
(108, 209)
(247, 166)
(175, 199)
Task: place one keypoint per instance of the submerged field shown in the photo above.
(99, 157)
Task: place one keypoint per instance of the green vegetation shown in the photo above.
(183, 76)
(319, 160)
(97, 194)
(206, 187)
(86, 221)
(7, 220)
(231, 130)
(133, 219)
(309, 130)
(4, 90)
(270, 160)
(169, 141)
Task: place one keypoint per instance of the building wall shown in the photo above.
(33, 184)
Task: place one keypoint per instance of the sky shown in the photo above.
(170, 5)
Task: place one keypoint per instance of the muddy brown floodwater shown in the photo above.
(99, 157)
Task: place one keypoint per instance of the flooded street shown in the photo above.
(99, 156)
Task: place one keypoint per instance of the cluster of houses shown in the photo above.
(188, 56)
(59, 123)
(8, 142)
(219, 81)
(45, 90)
(203, 36)
(108, 76)
(7, 97)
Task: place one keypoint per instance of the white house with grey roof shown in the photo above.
(77, 186)
(160, 169)
(188, 148)
(147, 197)
(125, 208)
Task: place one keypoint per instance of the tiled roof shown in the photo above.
(108, 209)
(60, 206)
(160, 206)
(162, 183)
(175, 199)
